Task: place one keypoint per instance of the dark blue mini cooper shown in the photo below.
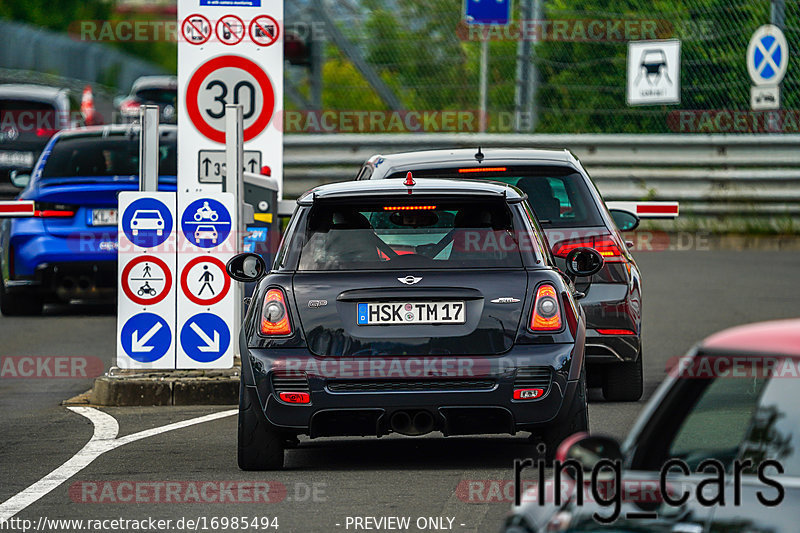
(411, 306)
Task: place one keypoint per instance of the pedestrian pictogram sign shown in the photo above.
(229, 79)
(204, 281)
(264, 30)
(230, 30)
(146, 280)
(196, 29)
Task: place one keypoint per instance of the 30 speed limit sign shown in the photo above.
(226, 80)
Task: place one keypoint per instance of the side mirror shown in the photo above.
(625, 220)
(588, 450)
(584, 262)
(246, 267)
(20, 180)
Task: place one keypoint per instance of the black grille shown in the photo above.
(289, 382)
(533, 377)
(400, 385)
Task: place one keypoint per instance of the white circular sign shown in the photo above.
(767, 55)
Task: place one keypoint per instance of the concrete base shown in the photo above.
(123, 388)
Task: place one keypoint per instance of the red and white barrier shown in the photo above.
(648, 209)
(15, 209)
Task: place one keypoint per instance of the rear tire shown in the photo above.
(259, 446)
(624, 382)
(22, 303)
(577, 420)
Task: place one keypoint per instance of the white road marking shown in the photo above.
(103, 440)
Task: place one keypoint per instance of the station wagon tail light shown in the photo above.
(481, 169)
(546, 314)
(409, 208)
(274, 315)
(603, 244)
(53, 210)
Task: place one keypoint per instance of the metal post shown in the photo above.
(148, 148)
(777, 13)
(484, 81)
(234, 182)
(317, 62)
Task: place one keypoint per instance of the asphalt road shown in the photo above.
(687, 295)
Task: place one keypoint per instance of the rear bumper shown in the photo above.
(79, 280)
(467, 395)
(612, 306)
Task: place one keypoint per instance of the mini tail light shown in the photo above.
(528, 394)
(274, 315)
(43, 210)
(615, 331)
(603, 244)
(295, 397)
(546, 314)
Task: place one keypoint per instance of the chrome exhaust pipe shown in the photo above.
(401, 423)
(84, 283)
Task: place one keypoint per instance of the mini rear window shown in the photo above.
(558, 195)
(105, 156)
(432, 233)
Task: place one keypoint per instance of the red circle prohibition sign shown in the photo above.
(204, 38)
(224, 22)
(229, 61)
(255, 25)
(185, 280)
(133, 296)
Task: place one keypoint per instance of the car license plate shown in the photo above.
(104, 217)
(377, 314)
(16, 159)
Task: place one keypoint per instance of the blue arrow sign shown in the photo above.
(146, 337)
(206, 223)
(487, 11)
(205, 337)
(147, 222)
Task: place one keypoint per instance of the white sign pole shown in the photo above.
(148, 148)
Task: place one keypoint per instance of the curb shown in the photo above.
(134, 388)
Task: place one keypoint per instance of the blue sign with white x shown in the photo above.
(767, 55)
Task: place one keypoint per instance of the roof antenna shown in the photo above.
(479, 155)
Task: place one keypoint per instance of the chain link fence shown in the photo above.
(423, 53)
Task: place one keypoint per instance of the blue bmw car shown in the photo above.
(68, 250)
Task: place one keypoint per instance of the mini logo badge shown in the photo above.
(313, 304)
(409, 280)
(505, 300)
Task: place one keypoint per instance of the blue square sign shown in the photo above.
(487, 11)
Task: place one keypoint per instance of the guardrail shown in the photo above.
(712, 176)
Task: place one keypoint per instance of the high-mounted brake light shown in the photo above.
(481, 169)
(409, 208)
(274, 315)
(604, 244)
(546, 315)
